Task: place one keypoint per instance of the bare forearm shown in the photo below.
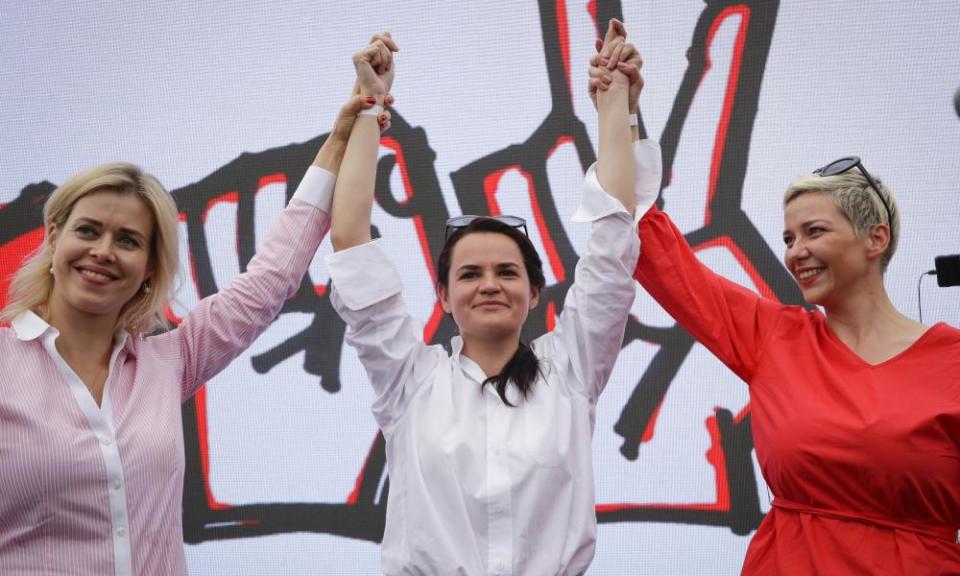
(353, 194)
(331, 153)
(615, 163)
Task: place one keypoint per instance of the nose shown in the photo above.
(102, 249)
(796, 251)
(489, 284)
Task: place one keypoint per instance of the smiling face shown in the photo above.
(101, 255)
(824, 254)
(488, 291)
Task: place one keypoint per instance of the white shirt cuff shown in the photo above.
(363, 275)
(595, 202)
(316, 188)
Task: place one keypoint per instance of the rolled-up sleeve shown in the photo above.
(389, 342)
(595, 203)
(589, 332)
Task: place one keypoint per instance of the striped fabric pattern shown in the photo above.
(87, 489)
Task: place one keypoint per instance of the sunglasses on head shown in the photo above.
(458, 222)
(848, 163)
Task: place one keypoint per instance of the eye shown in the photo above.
(509, 273)
(467, 275)
(815, 230)
(86, 231)
(128, 242)
(788, 240)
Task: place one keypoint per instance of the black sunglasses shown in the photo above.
(458, 222)
(848, 163)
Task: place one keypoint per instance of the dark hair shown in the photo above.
(524, 366)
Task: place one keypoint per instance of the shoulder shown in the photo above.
(8, 337)
(795, 317)
(943, 334)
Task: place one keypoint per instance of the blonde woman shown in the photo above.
(91, 440)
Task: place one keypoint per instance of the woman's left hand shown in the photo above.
(374, 65)
(615, 54)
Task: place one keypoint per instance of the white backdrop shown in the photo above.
(187, 87)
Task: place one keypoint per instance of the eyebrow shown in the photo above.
(809, 223)
(124, 229)
(500, 266)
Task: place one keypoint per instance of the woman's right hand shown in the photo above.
(374, 66)
(614, 55)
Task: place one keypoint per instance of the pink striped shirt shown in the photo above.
(97, 490)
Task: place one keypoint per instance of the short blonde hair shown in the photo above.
(857, 201)
(32, 285)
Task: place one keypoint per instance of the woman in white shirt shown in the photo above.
(498, 478)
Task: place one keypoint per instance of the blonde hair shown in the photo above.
(857, 201)
(32, 285)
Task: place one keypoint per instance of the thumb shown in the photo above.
(613, 30)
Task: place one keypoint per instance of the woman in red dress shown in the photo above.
(855, 408)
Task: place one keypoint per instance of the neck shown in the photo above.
(866, 311)
(86, 334)
(491, 354)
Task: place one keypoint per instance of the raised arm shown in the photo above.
(589, 330)
(615, 163)
(732, 321)
(353, 197)
(221, 326)
(366, 285)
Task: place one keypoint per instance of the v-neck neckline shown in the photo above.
(839, 343)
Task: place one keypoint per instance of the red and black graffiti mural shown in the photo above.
(410, 162)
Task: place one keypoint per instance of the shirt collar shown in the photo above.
(29, 326)
(456, 346)
(467, 364)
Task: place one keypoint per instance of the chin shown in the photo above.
(95, 307)
(817, 297)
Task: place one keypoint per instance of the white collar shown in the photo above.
(29, 326)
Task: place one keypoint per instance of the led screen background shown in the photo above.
(228, 102)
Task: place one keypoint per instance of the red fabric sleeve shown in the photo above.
(733, 322)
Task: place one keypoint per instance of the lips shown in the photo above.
(95, 274)
(490, 305)
(809, 275)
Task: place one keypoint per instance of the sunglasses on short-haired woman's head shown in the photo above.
(458, 222)
(848, 163)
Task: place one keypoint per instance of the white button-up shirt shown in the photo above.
(478, 487)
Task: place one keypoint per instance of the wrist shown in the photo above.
(378, 98)
(374, 110)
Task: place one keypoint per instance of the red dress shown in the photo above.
(863, 460)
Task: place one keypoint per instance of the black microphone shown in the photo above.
(948, 270)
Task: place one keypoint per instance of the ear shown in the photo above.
(877, 240)
(534, 298)
(51, 239)
(443, 296)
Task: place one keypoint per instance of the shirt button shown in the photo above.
(121, 532)
(501, 567)
(116, 485)
(105, 441)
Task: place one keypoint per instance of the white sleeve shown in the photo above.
(389, 342)
(589, 331)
